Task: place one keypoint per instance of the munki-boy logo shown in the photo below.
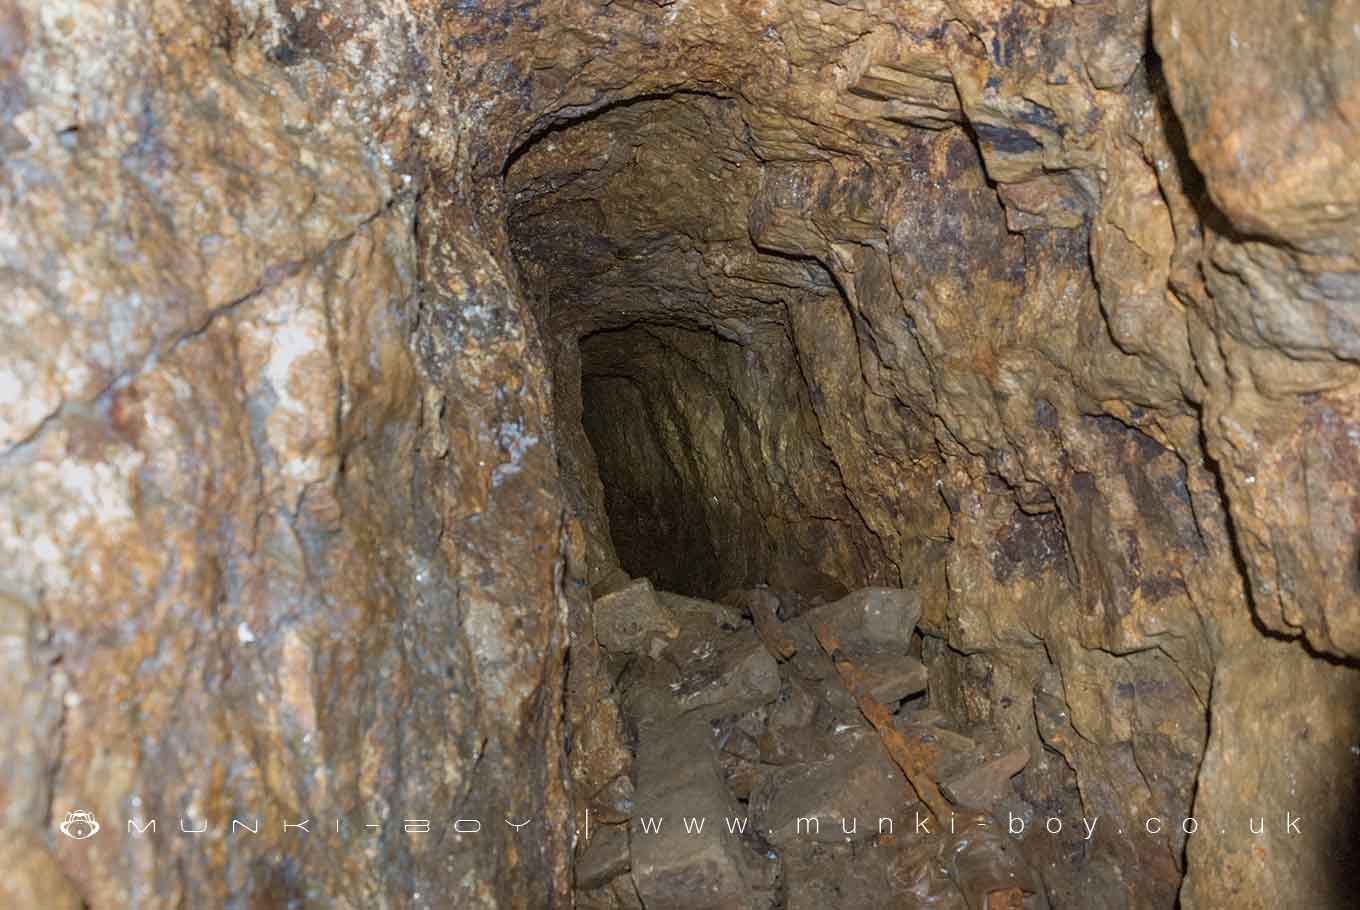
(79, 825)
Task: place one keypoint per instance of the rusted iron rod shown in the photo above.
(911, 758)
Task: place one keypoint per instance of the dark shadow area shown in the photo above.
(656, 520)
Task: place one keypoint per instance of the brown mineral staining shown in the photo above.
(763, 606)
(387, 390)
(1009, 899)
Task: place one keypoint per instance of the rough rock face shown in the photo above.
(351, 344)
(261, 459)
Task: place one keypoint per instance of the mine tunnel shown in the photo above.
(696, 455)
(746, 403)
(700, 458)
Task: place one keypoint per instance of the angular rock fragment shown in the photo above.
(915, 758)
(632, 620)
(612, 580)
(731, 676)
(683, 855)
(819, 876)
(919, 877)
(925, 716)
(600, 899)
(619, 894)
(871, 619)
(790, 734)
(834, 800)
(984, 862)
(763, 607)
(739, 756)
(604, 859)
(891, 678)
(931, 731)
(699, 621)
(613, 803)
(648, 696)
(624, 893)
(1005, 899)
(985, 786)
(814, 670)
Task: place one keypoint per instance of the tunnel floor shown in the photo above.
(785, 746)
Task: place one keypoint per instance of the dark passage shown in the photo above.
(653, 492)
(693, 443)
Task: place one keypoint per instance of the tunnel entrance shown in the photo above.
(687, 429)
(691, 439)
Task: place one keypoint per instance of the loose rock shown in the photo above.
(632, 621)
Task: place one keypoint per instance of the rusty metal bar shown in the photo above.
(914, 761)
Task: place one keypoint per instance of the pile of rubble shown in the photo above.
(785, 758)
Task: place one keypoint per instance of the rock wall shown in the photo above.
(1043, 311)
(280, 528)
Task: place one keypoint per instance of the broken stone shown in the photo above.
(731, 676)
(987, 785)
(820, 876)
(1006, 899)
(763, 607)
(891, 678)
(983, 861)
(648, 690)
(614, 802)
(815, 671)
(871, 619)
(699, 621)
(619, 894)
(741, 770)
(632, 620)
(926, 716)
(919, 877)
(678, 778)
(795, 709)
(605, 857)
(916, 759)
(931, 732)
(612, 580)
(600, 899)
(790, 735)
(624, 893)
(838, 799)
